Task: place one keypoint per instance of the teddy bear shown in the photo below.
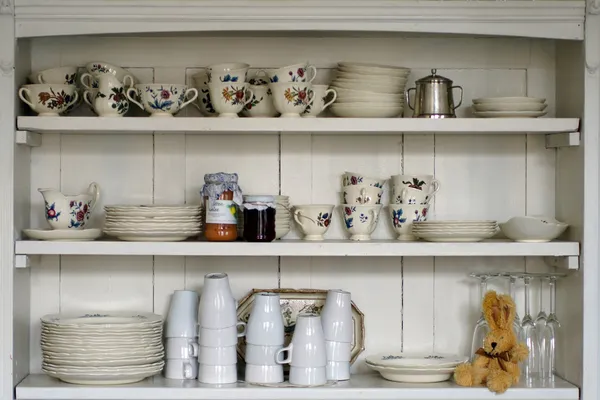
(496, 363)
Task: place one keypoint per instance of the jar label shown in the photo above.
(222, 212)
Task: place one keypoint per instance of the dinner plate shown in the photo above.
(509, 114)
(101, 379)
(416, 360)
(121, 319)
(510, 106)
(63, 234)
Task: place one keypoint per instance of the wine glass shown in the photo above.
(530, 337)
(540, 320)
(512, 281)
(481, 326)
(549, 334)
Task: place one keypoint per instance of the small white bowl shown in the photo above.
(533, 229)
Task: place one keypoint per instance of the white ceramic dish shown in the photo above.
(457, 222)
(416, 360)
(367, 95)
(375, 69)
(382, 79)
(389, 89)
(101, 379)
(414, 375)
(121, 319)
(509, 114)
(353, 111)
(510, 106)
(533, 229)
(92, 362)
(508, 100)
(63, 234)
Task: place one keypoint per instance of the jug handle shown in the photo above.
(461, 96)
(94, 189)
(408, 98)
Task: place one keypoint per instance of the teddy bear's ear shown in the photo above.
(492, 310)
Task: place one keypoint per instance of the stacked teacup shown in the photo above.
(228, 89)
(313, 219)
(218, 331)
(411, 197)
(291, 88)
(338, 329)
(362, 204)
(180, 336)
(264, 338)
(106, 89)
(261, 104)
(52, 91)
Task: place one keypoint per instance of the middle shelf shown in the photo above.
(299, 248)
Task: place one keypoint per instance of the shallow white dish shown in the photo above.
(388, 89)
(103, 319)
(107, 362)
(509, 114)
(416, 360)
(352, 111)
(456, 222)
(63, 234)
(101, 379)
(533, 229)
(483, 100)
(510, 106)
(370, 68)
(413, 375)
(367, 94)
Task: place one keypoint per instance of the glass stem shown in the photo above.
(552, 285)
(527, 280)
(482, 290)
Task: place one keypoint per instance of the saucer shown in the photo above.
(63, 234)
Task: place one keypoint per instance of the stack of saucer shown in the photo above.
(107, 348)
(282, 217)
(454, 231)
(153, 222)
(509, 107)
(415, 368)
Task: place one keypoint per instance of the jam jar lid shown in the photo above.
(258, 202)
(217, 183)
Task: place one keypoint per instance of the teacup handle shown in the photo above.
(249, 97)
(194, 97)
(314, 70)
(298, 213)
(403, 194)
(130, 97)
(22, 93)
(262, 72)
(373, 221)
(243, 332)
(311, 97)
(436, 187)
(287, 360)
(128, 78)
(94, 189)
(187, 371)
(84, 80)
(86, 94)
(193, 347)
(40, 78)
(330, 102)
(75, 98)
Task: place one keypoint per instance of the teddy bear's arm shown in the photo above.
(519, 352)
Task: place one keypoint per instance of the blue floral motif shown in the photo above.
(398, 219)
(162, 99)
(363, 218)
(80, 213)
(51, 213)
(349, 222)
(229, 78)
(274, 79)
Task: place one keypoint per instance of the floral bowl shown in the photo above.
(49, 99)
(161, 99)
(533, 229)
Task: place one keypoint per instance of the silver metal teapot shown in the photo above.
(433, 97)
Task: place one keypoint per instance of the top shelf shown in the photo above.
(561, 19)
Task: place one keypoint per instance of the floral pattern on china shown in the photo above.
(363, 218)
(297, 96)
(55, 100)
(324, 219)
(234, 95)
(295, 77)
(118, 98)
(165, 97)
(356, 180)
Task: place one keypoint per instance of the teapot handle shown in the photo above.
(461, 96)
(94, 190)
(408, 98)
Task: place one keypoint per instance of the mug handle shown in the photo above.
(82, 79)
(194, 349)
(287, 360)
(436, 187)
(194, 97)
(461, 96)
(249, 97)
(311, 97)
(298, 213)
(86, 99)
(332, 100)
(75, 98)
(40, 78)
(130, 97)
(314, 69)
(242, 333)
(130, 79)
(25, 100)
(94, 189)
(373, 219)
(408, 98)
(187, 371)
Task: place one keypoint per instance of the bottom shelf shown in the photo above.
(368, 387)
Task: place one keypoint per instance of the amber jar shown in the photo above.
(221, 197)
(259, 218)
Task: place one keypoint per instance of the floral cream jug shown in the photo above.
(69, 211)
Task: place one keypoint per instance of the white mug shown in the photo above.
(181, 348)
(261, 355)
(338, 371)
(264, 373)
(265, 325)
(338, 351)
(183, 315)
(308, 376)
(336, 316)
(307, 348)
(181, 369)
(221, 337)
(217, 374)
(217, 308)
(217, 355)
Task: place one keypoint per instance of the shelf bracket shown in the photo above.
(22, 261)
(30, 139)
(554, 140)
(567, 262)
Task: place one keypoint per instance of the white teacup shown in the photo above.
(425, 183)
(407, 195)
(221, 337)
(313, 219)
(292, 73)
(229, 98)
(290, 98)
(182, 320)
(60, 75)
(203, 103)
(263, 373)
(181, 369)
(261, 104)
(362, 194)
(181, 348)
(217, 355)
(360, 221)
(227, 72)
(217, 374)
(97, 68)
(336, 316)
(403, 216)
(162, 99)
(353, 178)
(49, 100)
(319, 100)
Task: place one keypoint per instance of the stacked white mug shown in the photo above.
(218, 331)
(264, 337)
(338, 329)
(180, 336)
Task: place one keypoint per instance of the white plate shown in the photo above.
(509, 114)
(121, 319)
(367, 87)
(510, 106)
(457, 222)
(454, 232)
(416, 360)
(63, 234)
(154, 219)
(346, 111)
(151, 207)
(400, 375)
(154, 213)
(370, 68)
(152, 227)
(508, 100)
(101, 379)
(124, 369)
(100, 351)
(107, 362)
(451, 239)
(130, 237)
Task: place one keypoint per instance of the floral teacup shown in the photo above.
(353, 178)
(203, 104)
(409, 195)
(360, 221)
(229, 98)
(49, 99)
(403, 216)
(262, 102)
(313, 219)
(60, 75)
(362, 194)
(319, 101)
(109, 100)
(97, 68)
(292, 73)
(290, 99)
(162, 99)
(227, 72)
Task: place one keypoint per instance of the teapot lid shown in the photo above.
(434, 78)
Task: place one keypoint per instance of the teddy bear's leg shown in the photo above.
(514, 371)
(498, 380)
(469, 375)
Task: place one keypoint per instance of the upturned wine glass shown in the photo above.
(512, 281)
(540, 319)
(548, 369)
(481, 327)
(530, 337)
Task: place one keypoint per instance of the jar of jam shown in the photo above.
(259, 218)
(221, 196)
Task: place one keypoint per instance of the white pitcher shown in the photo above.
(70, 211)
(217, 306)
(265, 325)
(109, 99)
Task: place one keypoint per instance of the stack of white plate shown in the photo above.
(455, 231)
(509, 107)
(282, 217)
(369, 90)
(415, 368)
(153, 222)
(107, 348)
